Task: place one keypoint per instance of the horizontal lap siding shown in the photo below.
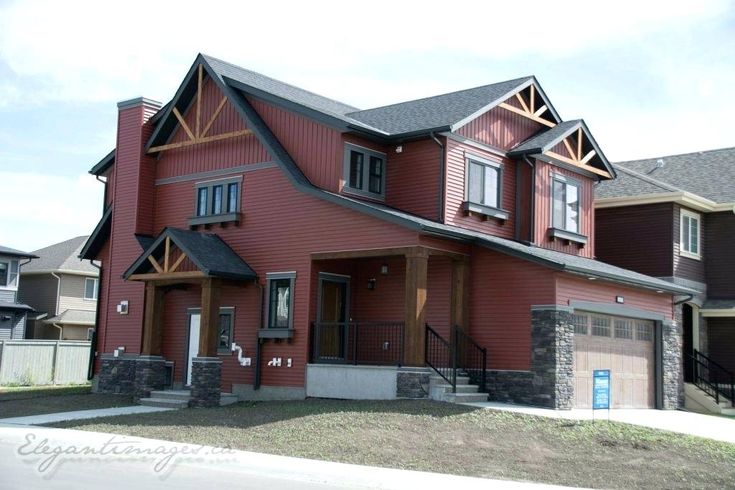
(503, 289)
(501, 128)
(570, 288)
(414, 177)
(686, 267)
(216, 155)
(719, 235)
(544, 172)
(455, 191)
(636, 238)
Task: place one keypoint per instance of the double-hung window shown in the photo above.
(217, 201)
(691, 232)
(483, 188)
(90, 288)
(364, 171)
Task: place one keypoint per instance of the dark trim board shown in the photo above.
(617, 310)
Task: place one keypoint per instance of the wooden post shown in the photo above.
(460, 293)
(209, 325)
(417, 262)
(152, 320)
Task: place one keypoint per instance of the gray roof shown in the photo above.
(6, 305)
(547, 138)
(207, 251)
(106, 162)
(76, 317)
(439, 111)
(708, 174)
(62, 256)
(719, 304)
(630, 183)
(14, 253)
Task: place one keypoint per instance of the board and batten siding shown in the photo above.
(686, 267)
(71, 295)
(636, 238)
(457, 154)
(500, 128)
(543, 218)
(719, 236)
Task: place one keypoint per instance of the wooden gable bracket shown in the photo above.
(199, 136)
(167, 267)
(575, 149)
(529, 110)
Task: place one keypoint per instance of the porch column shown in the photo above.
(417, 262)
(460, 292)
(152, 320)
(206, 369)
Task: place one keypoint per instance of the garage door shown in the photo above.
(623, 345)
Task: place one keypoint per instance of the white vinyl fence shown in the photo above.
(43, 362)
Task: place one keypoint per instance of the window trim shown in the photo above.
(691, 215)
(226, 310)
(367, 153)
(224, 215)
(577, 236)
(96, 288)
(273, 276)
(7, 273)
(470, 206)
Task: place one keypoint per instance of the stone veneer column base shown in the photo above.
(672, 362)
(117, 374)
(206, 381)
(552, 356)
(150, 374)
(412, 383)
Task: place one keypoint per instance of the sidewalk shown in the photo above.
(50, 418)
(43, 457)
(690, 423)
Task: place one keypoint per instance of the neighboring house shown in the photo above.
(264, 240)
(62, 289)
(673, 217)
(13, 314)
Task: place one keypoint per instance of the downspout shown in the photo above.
(532, 204)
(442, 177)
(259, 345)
(688, 298)
(61, 330)
(93, 343)
(58, 291)
(104, 198)
(517, 228)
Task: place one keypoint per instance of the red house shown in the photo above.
(264, 241)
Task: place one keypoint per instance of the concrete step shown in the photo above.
(465, 397)
(227, 399)
(164, 402)
(172, 394)
(728, 411)
(460, 388)
(461, 380)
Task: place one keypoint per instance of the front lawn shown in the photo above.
(440, 437)
(37, 400)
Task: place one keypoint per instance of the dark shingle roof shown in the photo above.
(5, 305)
(99, 236)
(546, 139)
(630, 183)
(14, 253)
(63, 256)
(708, 174)
(439, 111)
(106, 162)
(76, 317)
(207, 251)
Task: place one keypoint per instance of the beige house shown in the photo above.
(63, 290)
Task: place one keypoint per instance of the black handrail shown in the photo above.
(471, 357)
(712, 378)
(377, 343)
(441, 357)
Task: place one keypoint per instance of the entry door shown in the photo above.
(194, 323)
(333, 316)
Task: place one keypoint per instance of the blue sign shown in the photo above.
(601, 389)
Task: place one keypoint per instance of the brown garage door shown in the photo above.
(623, 345)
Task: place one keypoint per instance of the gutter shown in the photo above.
(442, 176)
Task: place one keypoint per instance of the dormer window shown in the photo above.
(364, 171)
(565, 210)
(483, 188)
(217, 201)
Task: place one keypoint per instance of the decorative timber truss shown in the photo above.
(200, 133)
(528, 99)
(580, 153)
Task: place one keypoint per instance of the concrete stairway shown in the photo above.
(440, 390)
(180, 399)
(697, 400)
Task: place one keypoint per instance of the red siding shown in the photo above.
(414, 177)
(500, 127)
(544, 172)
(573, 288)
(454, 215)
(502, 293)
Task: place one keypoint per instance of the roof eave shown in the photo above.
(104, 164)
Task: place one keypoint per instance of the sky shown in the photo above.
(649, 78)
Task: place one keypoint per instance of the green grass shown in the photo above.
(432, 436)
(36, 400)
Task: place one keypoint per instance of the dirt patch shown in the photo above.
(21, 402)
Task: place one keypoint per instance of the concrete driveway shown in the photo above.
(695, 424)
(41, 457)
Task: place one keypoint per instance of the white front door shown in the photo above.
(194, 322)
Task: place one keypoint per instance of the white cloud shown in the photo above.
(37, 210)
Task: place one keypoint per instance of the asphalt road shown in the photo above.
(46, 458)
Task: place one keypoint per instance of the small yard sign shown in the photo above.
(600, 390)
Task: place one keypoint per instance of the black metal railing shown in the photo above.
(712, 378)
(459, 356)
(440, 357)
(376, 343)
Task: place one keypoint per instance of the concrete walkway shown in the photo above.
(695, 424)
(48, 458)
(50, 418)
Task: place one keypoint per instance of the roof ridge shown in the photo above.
(677, 155)
(529, 77)
(648, 178)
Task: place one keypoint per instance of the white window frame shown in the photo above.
(482, 162)
(682, 251)
(96, 288)
(567, 181)
(365, 189)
